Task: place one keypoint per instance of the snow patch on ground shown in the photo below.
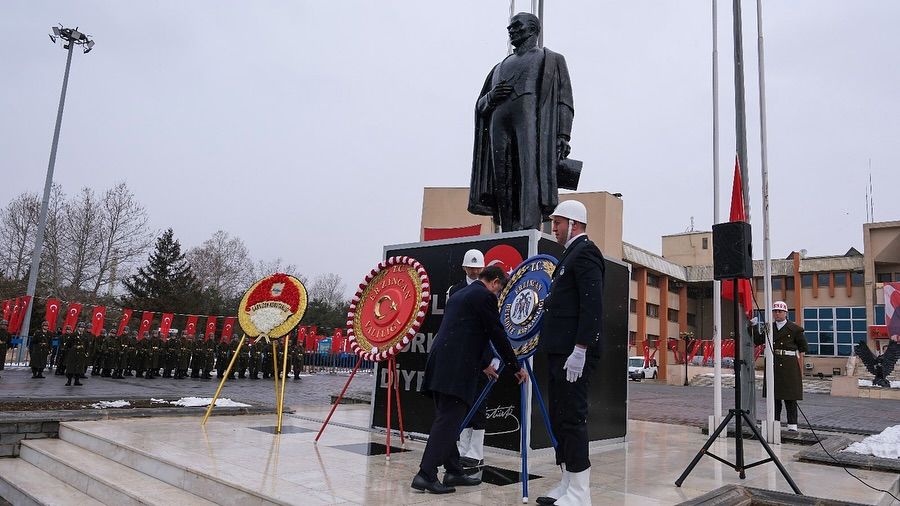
(868, 383)
(196, 402)
(110, 404)
(885, 445)
(158, 401)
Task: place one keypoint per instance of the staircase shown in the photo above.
(86, 469)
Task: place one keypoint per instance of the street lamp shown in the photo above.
(687, 336)
(70, 37)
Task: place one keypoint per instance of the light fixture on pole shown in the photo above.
(70, 38)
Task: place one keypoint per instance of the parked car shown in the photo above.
(639, 369)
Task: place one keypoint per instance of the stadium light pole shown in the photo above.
(70, 37)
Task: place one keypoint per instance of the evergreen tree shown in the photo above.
(166, 283)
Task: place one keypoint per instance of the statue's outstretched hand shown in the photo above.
(563, 148)
(499, 93)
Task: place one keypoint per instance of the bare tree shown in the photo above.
(81, 232)
(266, 267)
(51, 276)
(329, 288)
(222, 264)
(18, 225)
(124, 236)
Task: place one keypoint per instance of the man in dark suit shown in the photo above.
(471, 320)
(571, 337)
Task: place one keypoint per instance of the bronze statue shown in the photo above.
(523, 121)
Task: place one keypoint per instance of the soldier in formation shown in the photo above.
(75, 355)
(39, 350)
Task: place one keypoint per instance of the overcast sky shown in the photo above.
(309, 129)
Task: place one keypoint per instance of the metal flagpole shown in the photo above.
(771, 429)
(717, 285)
(748, 399)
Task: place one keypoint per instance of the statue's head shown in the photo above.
(523, 26)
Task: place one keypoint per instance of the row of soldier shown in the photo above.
(118, 356)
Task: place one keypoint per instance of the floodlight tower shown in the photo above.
(70, 37)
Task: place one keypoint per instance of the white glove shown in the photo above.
(754, 321)
(495, 363)
(575, 364)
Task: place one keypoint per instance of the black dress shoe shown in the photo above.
(470, 462)
(460, 480)
(546, 500)
(435, 487)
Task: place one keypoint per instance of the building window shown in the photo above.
(652, 310)
(834, 331)
(674, 287)
(705, 243)
(789, 282)
(632, 337)
(632, 305)
(673, 315)
(777, 283)
(856, 278)
(653, 340)
(879, 314)
(806, 280)
(634, 275)
(883, 277)
(840, 279)
(691, 320)
(824, 279)
(652, 280)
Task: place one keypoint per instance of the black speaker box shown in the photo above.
(732, 254)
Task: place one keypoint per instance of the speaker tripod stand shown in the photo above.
(740, 416)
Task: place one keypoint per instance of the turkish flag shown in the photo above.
(52, 313)
(99, 316)
(301, 336)
(227, 329)
(7, 309)
(190, 328)
(13, 315)
(737, 214)
(165, 323)
(123, 321)
(312, 339)
(16, 324)
(210, 328)
(72, 313)
(146, 320)
(337, 341)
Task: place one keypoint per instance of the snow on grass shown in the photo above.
(868, 383)
(195, 402)
(885, 445)
(110, 404)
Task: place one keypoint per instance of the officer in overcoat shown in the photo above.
(76, 355)
(38, 349)
(471, 320)
(788, 346)
(570, 335)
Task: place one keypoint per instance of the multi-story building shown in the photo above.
(838, 299)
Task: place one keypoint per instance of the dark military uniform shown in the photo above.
(76, 356)
(39, 349)
(109, 350)
(296, 354)
(184, 357)
(266, 359)
(152, 357)
(787, 343)
(4, 344)
(60, 360)
(222, 358)
(243, 361)
(96, 353)
(255, 360)
(169, 359)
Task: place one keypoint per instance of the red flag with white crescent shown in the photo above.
(337, 341)
(7, 309)
(72, 313)
(97, 320)
(190, 329)
(165, 323)
(301, 336)
(227, 329)
(13, 314)
(52, 313)
(146, 320)
(210, 328)
(745, 296)
(16, 324)
(123, 321)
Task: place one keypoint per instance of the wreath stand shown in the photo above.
(392, 388)
(523, 394)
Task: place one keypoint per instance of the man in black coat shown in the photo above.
(571, 337)
(471, 320)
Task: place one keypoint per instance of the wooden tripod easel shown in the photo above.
(279, 390)
(392, 388)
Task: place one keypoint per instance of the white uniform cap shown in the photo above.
(473, 258)
(571, 209)
(779, 305)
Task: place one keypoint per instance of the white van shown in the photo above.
(638, 369)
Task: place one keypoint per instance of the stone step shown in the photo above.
(21, 483)
(172, 466)
(103, 479)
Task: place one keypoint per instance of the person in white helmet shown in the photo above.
(471, 440)
(788, 346)
(571, 337)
